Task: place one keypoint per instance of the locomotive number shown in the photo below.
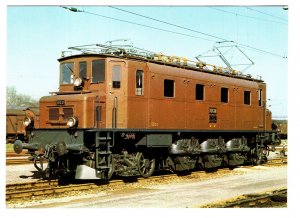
(128, 136)
(212, 110)
(212, 116)
(60, 102)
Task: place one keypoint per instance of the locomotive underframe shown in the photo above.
(99, 153)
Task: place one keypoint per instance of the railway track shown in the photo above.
(16, 159)
(276, 198)
(53, 187)
(13, 154)
(23, 159)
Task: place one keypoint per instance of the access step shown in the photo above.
(103, 138)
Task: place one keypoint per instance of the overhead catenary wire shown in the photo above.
(182, 27)
(134, 23)
(174, 32)
(267, 14)
(144, 25)
(217, 37)
(261, 51)
(251, 17)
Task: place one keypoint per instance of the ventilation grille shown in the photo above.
(68, 112)
(53, 113)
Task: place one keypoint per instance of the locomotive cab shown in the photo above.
(85, 89)
(70, 117)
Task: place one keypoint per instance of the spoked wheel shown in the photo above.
(146, 165)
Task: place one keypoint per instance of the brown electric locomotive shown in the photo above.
(125, 111)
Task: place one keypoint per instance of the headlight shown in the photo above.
(78, 82)
(27, 121)
(72, 121)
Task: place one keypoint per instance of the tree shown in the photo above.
(15, 99)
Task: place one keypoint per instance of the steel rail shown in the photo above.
(52, 187)
(17, 161)
(14, 154)
(253, 200)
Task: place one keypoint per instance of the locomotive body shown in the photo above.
(130, 115)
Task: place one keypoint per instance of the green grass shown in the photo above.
(9, 147)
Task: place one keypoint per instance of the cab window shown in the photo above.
(260, 97)
(98, 71)
(82, 69)
(139, 78)
(67, 73)
(116, 76)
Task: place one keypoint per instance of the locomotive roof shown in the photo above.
(19, 110)
(159, 59)
(15, 112)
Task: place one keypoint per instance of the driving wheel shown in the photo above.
(146, 165)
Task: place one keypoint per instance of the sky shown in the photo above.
(36, 35)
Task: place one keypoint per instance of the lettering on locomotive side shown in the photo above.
(212, 115)
(128, 136)
(213, 110)
(154, 124)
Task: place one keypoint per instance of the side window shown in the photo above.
(199, 92)
(82, 69)
(139, 79)
(169, 88)
(116, 76)
(98, 71)
(67, 71)
(224, 95)
(260, 97)
(247, 97)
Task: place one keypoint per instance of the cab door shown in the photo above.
(99, 111)
(116, 106)
(261, 107)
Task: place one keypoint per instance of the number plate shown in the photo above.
(212, 110)
(60, 102)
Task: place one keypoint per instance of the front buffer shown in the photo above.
(56, 153)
